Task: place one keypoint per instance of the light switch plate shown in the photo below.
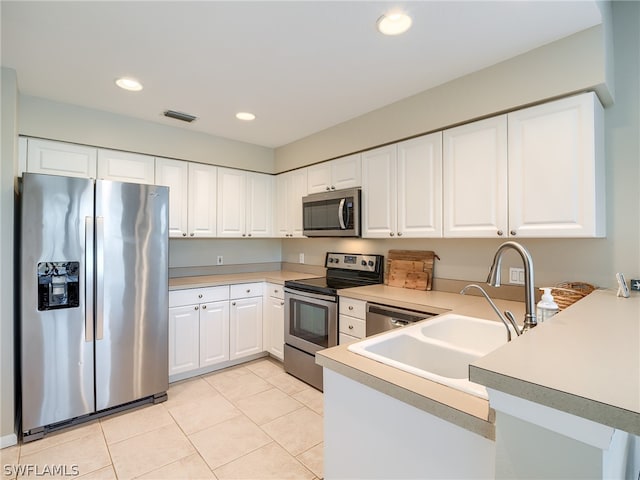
(516, 276)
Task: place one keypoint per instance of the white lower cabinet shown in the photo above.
(273, 321)
(198, 328)
(245, 333)
(352, 320)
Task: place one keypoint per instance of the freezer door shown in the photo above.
(131, 329)
(56, 322)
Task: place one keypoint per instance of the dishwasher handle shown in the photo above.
(399, 317)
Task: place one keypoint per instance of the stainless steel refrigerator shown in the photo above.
(94, 299)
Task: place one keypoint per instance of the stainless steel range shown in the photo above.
(311, 310)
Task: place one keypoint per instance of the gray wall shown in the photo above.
(8, 158)
(43, 118)
(562, 67)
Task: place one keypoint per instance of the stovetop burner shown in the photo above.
(344, 270)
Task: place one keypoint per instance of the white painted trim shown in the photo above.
(572, 426)
(8, 440)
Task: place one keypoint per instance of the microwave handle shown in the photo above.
(341, 214)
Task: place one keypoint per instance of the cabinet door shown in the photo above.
(319, 177)
(346, 172)
(245, 327)
(125, 167)
(419, 189)
(184, 332)
(214, 333)
(231, 202)
(259, 205)
(175, 175)
(274, 327)
(282, 205)
(297, 188)
(475, 179)
(556, 169)
(58, 158)
(202, 200)
(379, 193)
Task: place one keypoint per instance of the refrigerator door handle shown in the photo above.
(99, 298)
(89, 279)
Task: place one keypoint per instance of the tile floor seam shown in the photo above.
(113, 467)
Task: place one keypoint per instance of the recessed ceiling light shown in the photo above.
(394, 23)
(245, 116)
(130, 84)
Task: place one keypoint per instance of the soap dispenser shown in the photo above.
(546, 307)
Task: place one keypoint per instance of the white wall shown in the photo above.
(8, 157)
(203, 252)
(558, 68)
(43, 118)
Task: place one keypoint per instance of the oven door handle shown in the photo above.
(341, 214)
(302, 294)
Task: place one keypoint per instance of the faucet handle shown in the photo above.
(512, 319)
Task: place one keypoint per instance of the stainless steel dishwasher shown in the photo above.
(381, 318)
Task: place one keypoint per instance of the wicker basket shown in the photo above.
(568, 293)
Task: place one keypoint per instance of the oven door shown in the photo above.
(311, 320)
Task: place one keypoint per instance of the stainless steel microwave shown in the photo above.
(332, 214)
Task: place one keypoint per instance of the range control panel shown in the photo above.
(349, 261)
(58, 285)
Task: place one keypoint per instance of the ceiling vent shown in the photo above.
(185, 117)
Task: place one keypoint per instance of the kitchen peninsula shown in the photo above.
(553, 384)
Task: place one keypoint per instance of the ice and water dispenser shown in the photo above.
(58, 285)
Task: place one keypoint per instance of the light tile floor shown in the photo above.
(252, 421)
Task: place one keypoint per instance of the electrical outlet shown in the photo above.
(301, 258)
(516, 276)
(219, 260)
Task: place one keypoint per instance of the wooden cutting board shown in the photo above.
(410, 269)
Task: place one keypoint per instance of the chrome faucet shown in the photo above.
(509, 319)
(493, 279)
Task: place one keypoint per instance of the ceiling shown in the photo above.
(299, 66)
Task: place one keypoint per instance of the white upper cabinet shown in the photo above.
(125, 166)
(475, 179)
(402, 189)
(290, 188)
(556, 169)
(202, 200)
(175, 175)
(245, 203)
(535, 172)
(336, 174)
(59, 158)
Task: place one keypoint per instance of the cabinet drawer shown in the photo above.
(275, 290)
(191, 296)
(344, 339)
(353, 308)
(352, 326)
(245, 290)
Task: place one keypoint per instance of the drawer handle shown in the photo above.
(350, 307)
(191, 234)
(184, 234)
(204, 307)
(195, 308)
(513, 233)
(275, 291)
(248, 290)
(350, 327)
(199, 295)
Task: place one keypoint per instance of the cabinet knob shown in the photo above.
(281, 303)
(248, 290)
(333, 187)
(184, 234)
(399, 234)
(350, 327)
(204, 307)
(196, 307)
(513, 233)
(234, 304)
(391, 234)
(327, 188)
(244, 235)
(500, 233)
(249, 235)
(191, 234)
(350, 307)
(200, 295)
